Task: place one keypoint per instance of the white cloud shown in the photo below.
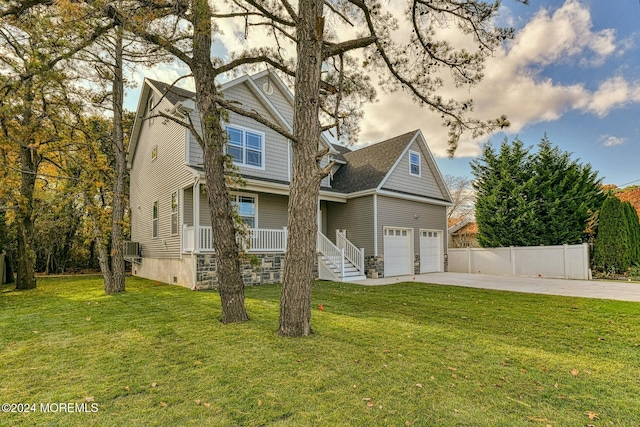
(612, 141)
(512, 85)
(613, 93)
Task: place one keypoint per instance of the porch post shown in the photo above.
(196, 215)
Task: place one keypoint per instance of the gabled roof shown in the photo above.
(173, 93)
(176, 95)
(368, 166)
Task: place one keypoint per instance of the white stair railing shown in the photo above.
(351, 252)
(332, 252)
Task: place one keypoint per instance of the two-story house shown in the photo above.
(382, 211)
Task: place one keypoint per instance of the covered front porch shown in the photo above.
(200, 240)
(265, 217)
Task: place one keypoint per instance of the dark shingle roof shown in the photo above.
(342, 150)
(173, 94)
(368, 166)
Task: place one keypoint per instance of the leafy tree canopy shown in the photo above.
(530, 199)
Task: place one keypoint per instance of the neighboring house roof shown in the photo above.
(469, 228)
(462, 226)
(368, 166)
(453, 221)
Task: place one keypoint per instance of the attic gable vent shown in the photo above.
(267, 88)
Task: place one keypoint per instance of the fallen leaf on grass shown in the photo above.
(259, 402)
(419, 385)
(524, 371)
(574, 372)
(452, 369)
(454, 376)
(163, 404)
(432, 378)
(592, 415)
(154, 385)
(128, 388)
(207, 404)
(556, 385)
(197, 362)
(89, 398)
(370, 404)
(407, 423)
(88, 319)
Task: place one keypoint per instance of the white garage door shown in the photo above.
(397, 251)
(430, 250)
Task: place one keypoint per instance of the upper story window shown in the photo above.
(414, 163)
(154, 152)
(246, 147)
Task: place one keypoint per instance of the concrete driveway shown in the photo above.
(618, 290)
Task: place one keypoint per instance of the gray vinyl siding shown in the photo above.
(355, 216)
(276, 157)
(157, 179)
(187, 207)
(194, 153)
(205, 215)
(278, 99)
(272, 211)
(326, 181)
(393, 212)
(424, 185)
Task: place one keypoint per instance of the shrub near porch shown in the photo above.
(407, 354)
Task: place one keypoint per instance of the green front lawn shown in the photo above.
(406, 354)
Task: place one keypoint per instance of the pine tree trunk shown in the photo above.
(214, 138)
(116, 284)
(295, 304)
(29, 161)
(103, 260)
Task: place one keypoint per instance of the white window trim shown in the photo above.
(255, 197)
(176, 213)
(244, 148)
(155, 205)
(419, 174)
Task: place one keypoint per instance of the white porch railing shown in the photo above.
(351, 252)
(256, 239)
(264, 240)
(333, 253)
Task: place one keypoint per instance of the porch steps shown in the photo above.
(351, 273)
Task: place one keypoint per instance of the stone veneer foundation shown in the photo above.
(269, 269)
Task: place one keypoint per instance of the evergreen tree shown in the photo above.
(527, 199)
(634, 233)
(613, 242)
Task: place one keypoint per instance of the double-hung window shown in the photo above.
(246, 147)
(174, 213)
(414, 163)
(154, 220)
(246, 206)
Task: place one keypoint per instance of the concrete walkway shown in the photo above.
(623, 291)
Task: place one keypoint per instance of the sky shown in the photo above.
(572, 72)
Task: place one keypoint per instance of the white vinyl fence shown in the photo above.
(563, 262)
